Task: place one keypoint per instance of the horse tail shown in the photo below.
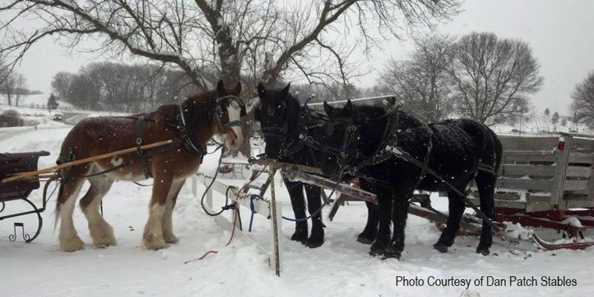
(68, 153)
(486, 143)
(498, 152)
(58, 204)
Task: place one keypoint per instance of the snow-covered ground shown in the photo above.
(341, 267)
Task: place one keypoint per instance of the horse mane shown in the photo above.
(365, 113)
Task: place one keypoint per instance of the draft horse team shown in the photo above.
(390, 152)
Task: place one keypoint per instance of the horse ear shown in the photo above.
(237, 89)
(348, 107)
(328, 109)
(221, 88)
(286, 89)
(261, 89)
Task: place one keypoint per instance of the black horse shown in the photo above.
(282, 120)
(394, 153)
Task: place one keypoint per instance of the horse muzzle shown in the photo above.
(234, 138)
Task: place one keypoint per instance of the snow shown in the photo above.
(341, 267)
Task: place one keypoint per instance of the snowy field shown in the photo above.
(341, 267)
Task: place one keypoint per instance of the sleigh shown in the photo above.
(543, 183)
(547, 182)
(18, 191)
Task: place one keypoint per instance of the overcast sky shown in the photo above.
(559, 32)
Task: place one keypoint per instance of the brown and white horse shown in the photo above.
(212, 113)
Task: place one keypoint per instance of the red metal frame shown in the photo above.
(552, 219)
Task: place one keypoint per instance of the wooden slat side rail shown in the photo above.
(520, 170)
(579, 172)
(575, 185)
(540, 171)
(515, 156)
(580, 158)
(540, 185)
(531, 143)
(583, 145)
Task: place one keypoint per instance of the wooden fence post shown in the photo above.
(275, 218)
(561, 161)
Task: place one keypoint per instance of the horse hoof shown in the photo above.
(72, 244)
(103, 237)
(170, 238)
(392, 255)
(440, 247)
(314, 243)
(300, 236)
(104, 242)
(151, 242)
(394, 250)
(316, 238)
(377, 248)
(365, 238)
(483, 251)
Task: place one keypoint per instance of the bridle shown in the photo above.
(345, 155)
(219, 114)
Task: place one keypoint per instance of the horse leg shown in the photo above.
(486, 186)
(153, 230)
(295, 190)
(399, 216)
(385, 211)
(314, 204)
(101, 232)
(456, 210)
(168, 234)
(370, 231)
(69, 189)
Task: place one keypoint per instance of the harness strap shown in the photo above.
(426, 160)
(139, 127)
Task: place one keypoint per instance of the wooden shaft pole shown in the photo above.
(285, 165)
(85, 160)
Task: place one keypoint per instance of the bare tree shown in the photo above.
(491, 76)
(13, 87)
(61, 84)
(261, 38)
(583, 101)
(421, 82)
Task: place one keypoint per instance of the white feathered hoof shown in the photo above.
(170, 238)
(71, 244)
(153, 242)
(102, 235)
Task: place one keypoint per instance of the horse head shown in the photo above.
(278, 113)
(222, 108)
(349, 137)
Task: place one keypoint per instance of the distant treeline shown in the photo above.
(121, 87)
